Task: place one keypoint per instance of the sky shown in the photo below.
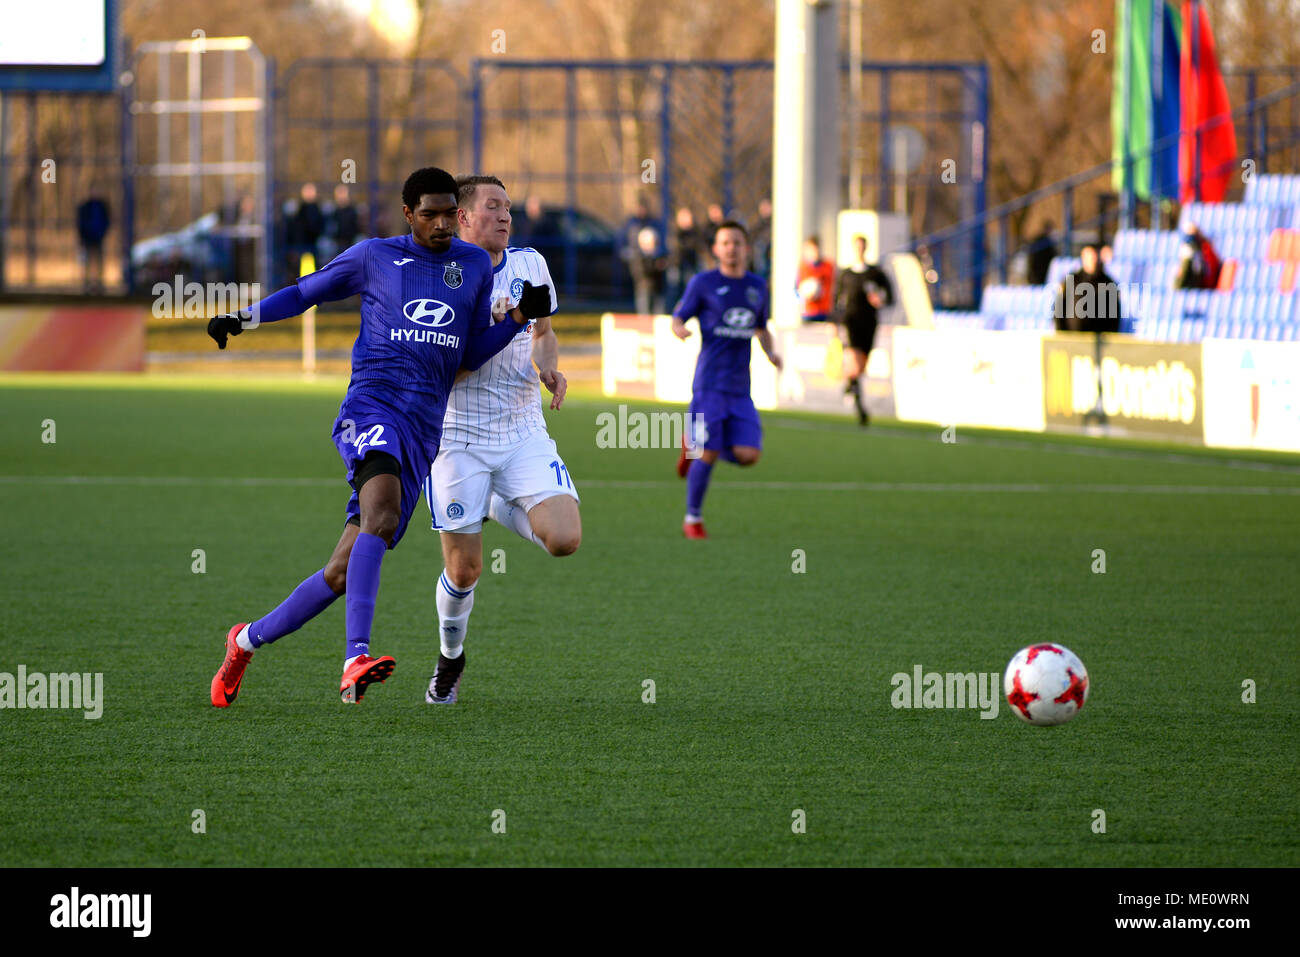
(394, 18)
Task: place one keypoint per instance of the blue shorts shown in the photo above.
(366, 425)
(728, 420)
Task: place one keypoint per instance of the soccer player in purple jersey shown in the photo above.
(425, 312)
(731, 307)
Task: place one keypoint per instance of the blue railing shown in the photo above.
(954, 251)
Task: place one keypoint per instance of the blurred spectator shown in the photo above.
(928, 267)
(92, 227)
(1199, 262)
(648, 267)
(684, 257)
(291, 230)
(860, 291)
(311, 223)
(814, 283)
(631, 242)
(716, 216)
(639, 220)
(529, 223)
(1042, 250)
(245, 257)
(762, 239)
(1088, 299)
(342, 222)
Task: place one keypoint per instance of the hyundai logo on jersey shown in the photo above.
(429, 312)
(738, 318)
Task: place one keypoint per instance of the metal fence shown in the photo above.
(206, 139)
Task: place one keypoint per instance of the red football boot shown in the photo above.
(225, 686)
(362, 673)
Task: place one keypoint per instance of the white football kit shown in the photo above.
(494, 435)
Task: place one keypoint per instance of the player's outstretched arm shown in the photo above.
(281, 304)
(764, 337)
(486, 340)
(342, 277)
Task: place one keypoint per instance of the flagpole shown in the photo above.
(1157, 108)
(1126, 199)
(1195, 99)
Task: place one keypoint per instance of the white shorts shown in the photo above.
(462, 480)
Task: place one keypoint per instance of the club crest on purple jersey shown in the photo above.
(451, 275)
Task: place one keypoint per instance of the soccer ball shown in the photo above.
(1046, 684)
(810, 288)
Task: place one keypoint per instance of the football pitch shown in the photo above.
(649, 700)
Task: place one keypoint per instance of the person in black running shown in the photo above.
(860, 291)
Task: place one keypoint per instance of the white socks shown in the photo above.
(514, 518)
(241, 639)
(454, 606)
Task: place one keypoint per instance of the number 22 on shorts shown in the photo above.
(370, 437)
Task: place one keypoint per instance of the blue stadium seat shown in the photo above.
(1218, 305)
(1290, 307)
(1253, 192)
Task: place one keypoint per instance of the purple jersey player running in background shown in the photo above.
(425, 313)
(730, 305)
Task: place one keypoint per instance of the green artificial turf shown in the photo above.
(772, 687)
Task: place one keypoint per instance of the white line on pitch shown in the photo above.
(988, 441)
(993, 487)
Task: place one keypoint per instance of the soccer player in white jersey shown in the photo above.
(496, 458)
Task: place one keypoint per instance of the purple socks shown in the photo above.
(308, 600)
(697, 483)
(363, 589)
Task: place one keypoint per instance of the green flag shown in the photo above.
(1152, 108)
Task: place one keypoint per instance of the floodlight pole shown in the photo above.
(1127, 192)
(4, 188)
(855, 103)
(805, 142)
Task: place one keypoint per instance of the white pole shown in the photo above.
(805, 143)
(855, 104)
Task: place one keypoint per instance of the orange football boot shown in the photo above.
(225, 686)
(362, 673)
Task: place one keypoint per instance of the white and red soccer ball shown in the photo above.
(1046, 684)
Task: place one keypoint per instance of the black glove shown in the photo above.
(222, 326)
(535, 301)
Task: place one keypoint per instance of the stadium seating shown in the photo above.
(1258, 296)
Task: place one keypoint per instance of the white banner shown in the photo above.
(1252, 394)
(969, 377)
